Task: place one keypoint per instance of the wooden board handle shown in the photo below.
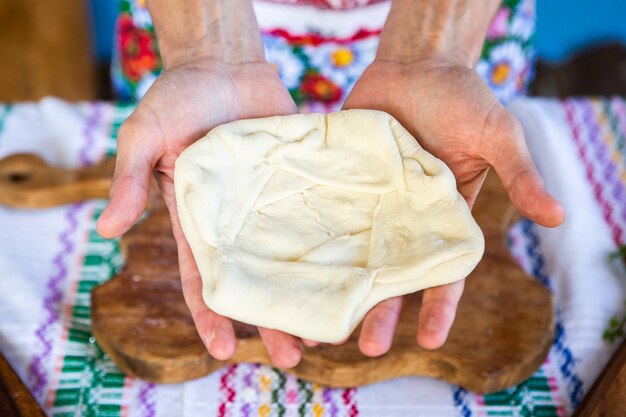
(15, 400)
(27, 181)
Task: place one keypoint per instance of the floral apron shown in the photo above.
(320, 48)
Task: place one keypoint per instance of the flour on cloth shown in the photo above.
(303, 223)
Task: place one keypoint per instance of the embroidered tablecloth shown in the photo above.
(51, 259)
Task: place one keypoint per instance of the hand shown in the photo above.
(184, 103)
(455, 116)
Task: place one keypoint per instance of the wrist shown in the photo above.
(451, 31)
(427, 57)
(196, 30)
(206, 55)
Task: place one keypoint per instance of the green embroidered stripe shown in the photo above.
(306, 398)
(533, 398)
(620, 137)
(120, 112)
(278, 392)
(4, 112)
(125, 6)
(89, 384)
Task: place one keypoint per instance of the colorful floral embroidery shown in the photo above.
(342, 63)
(288, 64)
(317, 87)
(523, 22)
(507, 58)
(136, 60)
(499, 25)
(319, 70)
(140, 13)
(329, 4)
(316, 39)
(137, 48)
(503, 69)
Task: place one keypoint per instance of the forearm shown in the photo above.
(194, 29)
(453, 30)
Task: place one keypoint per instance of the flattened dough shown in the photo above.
(303, 223)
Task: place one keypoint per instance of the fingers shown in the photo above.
(519, 175)
(527, 192)
(216, 331)
(283, 348)
(437, 314)
(469, 188)
(379, 327)
(131, 180)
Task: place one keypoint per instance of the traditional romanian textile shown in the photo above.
(320, 47)
(51, 259)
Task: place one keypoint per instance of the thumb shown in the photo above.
(131, 180)
(518, 173)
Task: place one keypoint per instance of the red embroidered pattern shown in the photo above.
(316, 39)
(329, 4)
(317, 87)
(137, 49)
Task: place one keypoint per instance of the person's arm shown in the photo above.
(196, 29)
(214, 73)
(451, 30)
(423, 76)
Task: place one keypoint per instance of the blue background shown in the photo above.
(563, 26)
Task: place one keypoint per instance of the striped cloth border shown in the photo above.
(598, 128)
(555, 388)
(87, 382)
(4, 112)
(255, 390)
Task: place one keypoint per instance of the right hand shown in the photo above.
(458, 119)
(184, 103)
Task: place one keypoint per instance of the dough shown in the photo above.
(303, 223)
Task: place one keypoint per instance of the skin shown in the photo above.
(472, 132)
(423, 75)
(215, 72)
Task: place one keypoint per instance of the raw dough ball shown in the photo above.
(303, 223)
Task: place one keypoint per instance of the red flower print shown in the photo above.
(137, 49)
(318, 87)
(330, 4)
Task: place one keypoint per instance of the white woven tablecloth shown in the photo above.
(50, 260)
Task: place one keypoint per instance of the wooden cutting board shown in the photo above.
(15, 399)
(503, 331)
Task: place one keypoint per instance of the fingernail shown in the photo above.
(220, 344)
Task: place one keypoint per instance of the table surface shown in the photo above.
(48, 48)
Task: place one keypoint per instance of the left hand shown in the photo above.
(456, 117)
(184, 103)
